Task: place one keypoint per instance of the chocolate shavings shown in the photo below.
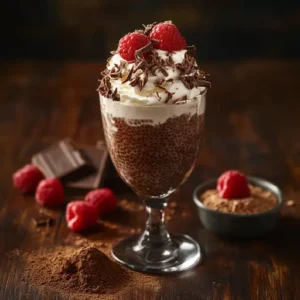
(139, 53)
(129, 75)
(44, 221)
(190, 75)
(148, 28)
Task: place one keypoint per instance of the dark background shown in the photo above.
(89, 29)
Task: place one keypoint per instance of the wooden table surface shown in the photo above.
(252, 124)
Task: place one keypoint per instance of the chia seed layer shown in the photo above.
(154, 159)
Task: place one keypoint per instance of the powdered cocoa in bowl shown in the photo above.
(259, 201)
(243, 218)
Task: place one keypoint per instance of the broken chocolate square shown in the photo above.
(62, 160)
(98, 158)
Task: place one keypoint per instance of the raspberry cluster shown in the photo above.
(80, 214)
(83, 214)
(164, 36)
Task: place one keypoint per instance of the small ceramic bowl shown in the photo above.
(238, 225)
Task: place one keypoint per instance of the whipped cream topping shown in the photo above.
(151, 94)
(156, 77)
(165, 78)
(153, 114)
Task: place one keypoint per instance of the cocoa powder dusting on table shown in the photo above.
(131, 206)
(84, 273)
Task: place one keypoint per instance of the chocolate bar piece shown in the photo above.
(98, 157)
(62, 160)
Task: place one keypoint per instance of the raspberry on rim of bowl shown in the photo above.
(233, 185)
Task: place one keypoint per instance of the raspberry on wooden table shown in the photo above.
(50, 192)
(233, 185)
(80, 215)
(130, 43)
(168, 37)
(103, 200)
(27, 178)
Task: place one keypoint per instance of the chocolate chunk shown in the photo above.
(98, 158)
(43, 220)
(62, 160)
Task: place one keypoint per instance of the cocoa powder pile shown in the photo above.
(84, 273)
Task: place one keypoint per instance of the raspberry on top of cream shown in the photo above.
(155, 76)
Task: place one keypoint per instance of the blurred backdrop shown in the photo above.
(89, 29)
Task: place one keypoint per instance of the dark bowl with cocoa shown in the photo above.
(254, 213)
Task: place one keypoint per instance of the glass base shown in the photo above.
(183, 254)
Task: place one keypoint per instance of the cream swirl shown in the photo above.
(171, 83)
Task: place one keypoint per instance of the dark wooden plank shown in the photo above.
(252, 123)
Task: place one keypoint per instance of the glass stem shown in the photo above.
(156, 235)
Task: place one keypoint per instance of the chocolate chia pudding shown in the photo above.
(152, 104)
(152, 97)
(154, 158)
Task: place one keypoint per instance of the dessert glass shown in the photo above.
(154, 149)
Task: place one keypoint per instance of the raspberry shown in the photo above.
(27, 178)
(80, 215)
(50, 192)
(168, 37)
(233, 185)
(103, 200)
(131, 42)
